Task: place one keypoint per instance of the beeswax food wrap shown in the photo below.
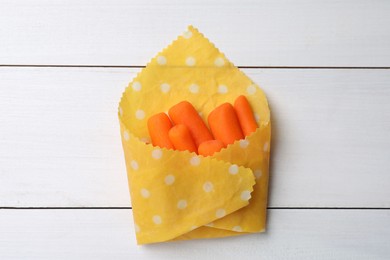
(179, 195)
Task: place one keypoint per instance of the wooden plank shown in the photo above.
(60, 141)
(109, 234)
(251, 33)
(59, 137)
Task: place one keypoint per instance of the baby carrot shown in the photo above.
(224, 124)
(158, 126)
(245, 115)
(184, 113)
(181, 138)
(210, 147)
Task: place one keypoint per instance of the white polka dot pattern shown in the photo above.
(195, 161)
(194, 89)
(140, 114)
(145, 139)
(165, 87)
(161, 60)
(220, 213)
(233, 169)
(157, 154)
(126, 135)
(134, 165)
(244, 143)
(193, 227)
(257, 118)
(222, 89)
(190, 61)
(187, 34)
(136, 86)
(237, 229)
(145, 193)
(245, 195)
(251, 89)
(157, 219)
(179, 181)
(258, 173)
(182, 204)
(169, 179)
(219, 62)
(136, 228)
(265, 147)
(208, 186)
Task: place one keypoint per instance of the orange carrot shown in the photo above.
(158, 126)
(184, 113)
(210, 147)
(181, 138)
(245, 115)
(224, 124)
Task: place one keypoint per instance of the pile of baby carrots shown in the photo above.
(184, 129)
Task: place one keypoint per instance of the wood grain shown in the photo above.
(60, 141)
(252, 33)
(109, 234)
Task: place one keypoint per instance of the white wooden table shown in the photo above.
(324, 65)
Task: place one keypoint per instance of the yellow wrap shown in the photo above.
(179, 195)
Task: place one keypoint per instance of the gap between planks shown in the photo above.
(240, 67)
(116, 208)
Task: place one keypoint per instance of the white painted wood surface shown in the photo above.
(60, 143)
(60, 140)
(251, 33)
(109, 234)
